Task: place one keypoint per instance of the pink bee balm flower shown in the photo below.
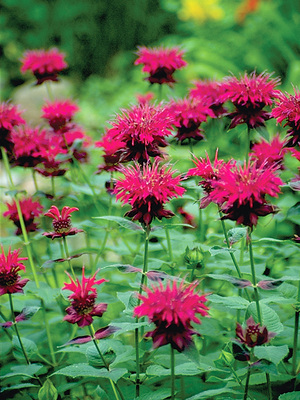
(44, 64)
(143, 128)
(10, 265)
(114, 150)
(61, 222)
(145, 98)
(160, 63)
(288, 109)
(59, 113)
(10, 116)
(254, 334)
(240, 192)
(30, 210)
(172, 309)
(250, 94)
(209, 93)
(83, 307)
(189, 114)
(269, 154)
(147, 189)
(210, 173)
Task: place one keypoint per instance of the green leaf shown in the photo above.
(159, 394)
(241, 283)
(17, 387)
(182, 369)
(101, 393)
(29, 346)
(48, 391)
(235, 302)
(211, 393)
(273, 354)
(269, 317)
(128, 326)
(290, 396)
(83, 369)
(24, 370)
(129, 300)
(10, 240)
(236, 234)
(122, 222)
(44, 292)
(293, 214)
(219, 250)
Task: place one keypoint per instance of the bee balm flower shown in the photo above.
(10, 265)
(254, 334)
(61, 222)
(172, 309)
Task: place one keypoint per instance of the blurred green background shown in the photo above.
(100, 38)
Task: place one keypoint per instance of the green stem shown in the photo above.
(169, 245)
(248, 144)
(53, 186)
(247, 383)
(172, 373)
(34, 180)
(136, 331)
(16, 328)
(114, 385)
(296, 333)
(21, 219)
(68, 257)
(51, 348)
(49, 91)
(269, 386)
(256, 296)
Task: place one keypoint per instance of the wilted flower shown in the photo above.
(44, 64)
(240, 192)
(254, 334)
(143, 129)
(30, 210)
(61, 222)
(147, 189)
(209, 94)
(188, 218)
(288, 108)
(269, 154)
(210, 173)
(189, 114)
(9, 117)
(83, 298)
(160, 63)
(10, 265)
(250, 94)
(172, 309)
(59, 112)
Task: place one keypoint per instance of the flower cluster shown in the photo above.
(59, 113)
(83, 298)
(61, 222)
(30, 210)
(10, 265)
(147, 189)
(269, 154)
(10, 117)
(250, 95)
(160, 63)
(44, 64)
(172, 309)
(209, 93)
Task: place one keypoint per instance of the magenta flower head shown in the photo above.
(209, 173)
(61, 222)
(172, 309)
(10, 265)
(254, 334)
(288, 109)
(143, 129)
(147, 189)
(160, 63)
(240, 192)
(189, 114)
(45, 65)
(10, 117)
(269, 154)
(114, 151)
(30, 210)
(209, 93)
(83, 298)
(250, 94)
(59, 112)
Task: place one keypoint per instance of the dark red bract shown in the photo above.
(254, 334)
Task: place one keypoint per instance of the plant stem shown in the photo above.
(172, 373)
(169, 244)
(248, 144)
(21, 219)
(114, 385)
(68, 256)
(254, 279)
(269, 386)
(49, 91)
(136, 331)
(16, 329)
(247, 383)
(51, 348)
(53, 186)
(34, 180)
(296, 333)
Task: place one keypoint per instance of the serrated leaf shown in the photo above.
(290, 396)
(183, 369)
(29, 346)
(159, 394)
(211, 393)
(122, 222)
(273, 354)
(269, 317)
(236, 234)
(85, 370)
(48, 391)
(235, 302)
(25, 370)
